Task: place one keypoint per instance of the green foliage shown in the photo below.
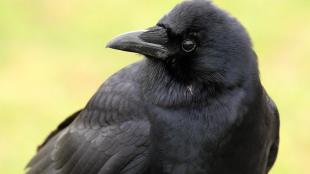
(53, 58)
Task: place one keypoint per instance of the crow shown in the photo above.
(193, 105)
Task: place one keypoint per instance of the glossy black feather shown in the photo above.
(110, 135)
(202, 111)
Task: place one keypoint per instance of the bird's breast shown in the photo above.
(184, 140)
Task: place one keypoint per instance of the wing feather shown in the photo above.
(108, 135)
(108, 151)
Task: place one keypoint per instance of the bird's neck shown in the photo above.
(161, 88)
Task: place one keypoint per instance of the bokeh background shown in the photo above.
(53, 58)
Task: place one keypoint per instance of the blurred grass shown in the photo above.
(53, 58)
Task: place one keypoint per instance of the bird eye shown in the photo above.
(188, 45)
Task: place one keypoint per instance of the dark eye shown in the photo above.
(189, 45)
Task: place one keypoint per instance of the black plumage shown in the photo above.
(194, 105)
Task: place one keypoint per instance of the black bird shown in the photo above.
(193, 105)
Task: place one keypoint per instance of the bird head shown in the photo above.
(195, 42)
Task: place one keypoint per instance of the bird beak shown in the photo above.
(151, 43)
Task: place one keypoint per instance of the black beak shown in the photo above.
(151, 43)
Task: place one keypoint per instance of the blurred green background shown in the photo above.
(53, 58)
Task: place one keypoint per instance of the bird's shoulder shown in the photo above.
(111, 134)
(272, 109)
(120, 94)
(274, 120)
(111, 100)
